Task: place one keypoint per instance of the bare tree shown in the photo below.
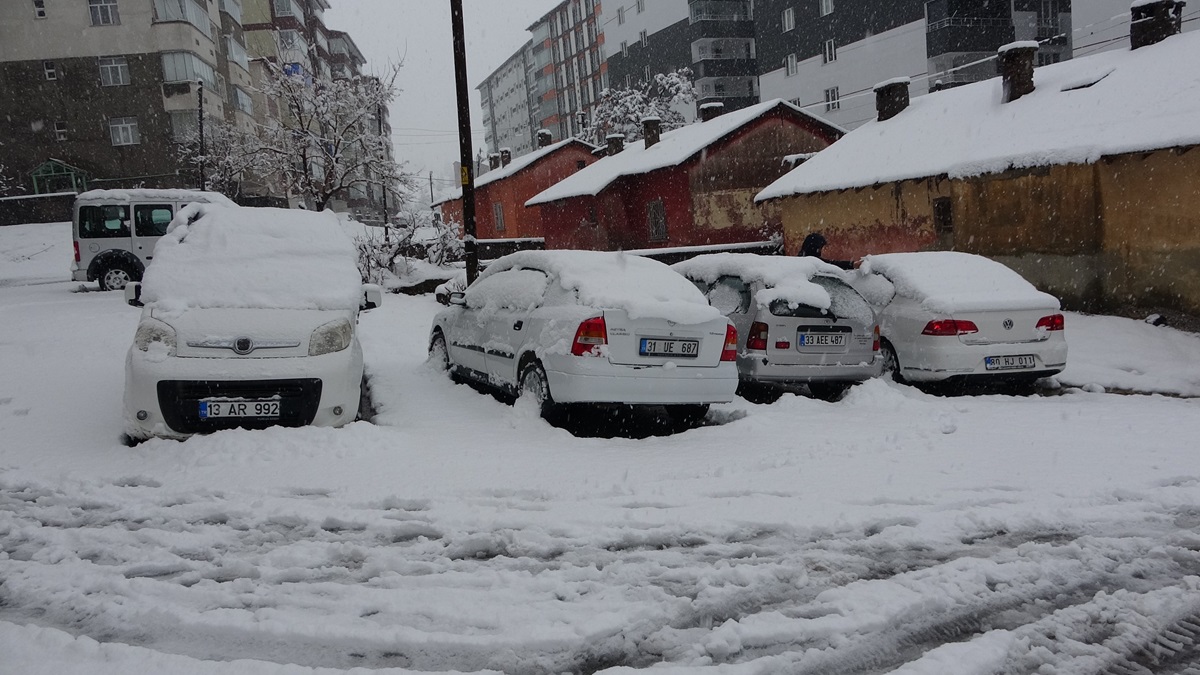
(231, 156)
(6, 182)
(328, 141)
(621, 111)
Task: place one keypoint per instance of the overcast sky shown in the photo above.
(425, 116)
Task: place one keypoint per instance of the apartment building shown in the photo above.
(568, 70)
(506, 101)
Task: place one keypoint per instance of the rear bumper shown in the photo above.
(758, 368)
(576, 380)
(949, 358)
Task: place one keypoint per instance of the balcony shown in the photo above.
(183, 10)
(720, 10)
(288, 8)
(233, 8)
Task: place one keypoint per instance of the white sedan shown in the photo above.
(946, 315)
(589, 327)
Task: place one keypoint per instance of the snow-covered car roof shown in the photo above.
(640, 286)
(786, 278)
(152, 195)
(253, 258)
(949, 282)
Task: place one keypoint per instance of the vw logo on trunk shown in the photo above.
(243, 345)
(1008, 324)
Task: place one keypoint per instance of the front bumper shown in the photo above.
(586, 380)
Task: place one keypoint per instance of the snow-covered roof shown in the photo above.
(149, 195)
(517, 165)
(640, 286)
(674, 148)
(1081, 110)
(253, 258)
(949, 282)
(788, 278)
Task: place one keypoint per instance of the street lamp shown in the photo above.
(464, 140)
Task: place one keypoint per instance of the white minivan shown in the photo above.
(115, 231)
(249, 320)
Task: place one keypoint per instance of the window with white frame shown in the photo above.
(241, 100)
(789, 19)
(833, 99)
(826, 7)
(60, 130)
(104, 12)
(50, 70)
(656, 218)
(114, 71)
(620, 16)
(644, 37)
(641, 5)
(184, 124)
(184, 10)
(124, 131)
(498, 215)
(39, 9)
(187, 67)
(791, 66)
(236, 52)
(830, 51)
(624, 49)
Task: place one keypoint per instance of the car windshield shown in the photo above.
(845, 303)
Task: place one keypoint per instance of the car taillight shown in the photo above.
(875, 344)
(730, 351)
(1053, 322)
(946, 327)
(590, 335)
(757, 339)
(76, 251)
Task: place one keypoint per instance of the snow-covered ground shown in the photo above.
(893, 531)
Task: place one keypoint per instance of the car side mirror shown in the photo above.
(459, 299)
(372, 297)
(133, 294)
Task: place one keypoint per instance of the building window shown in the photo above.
(791, 64)
(498, 215)
(646, 74)
(656, 217)
(50, 70)
(104, 12)
(114, 71)
(789, 19)
(826, 7)
(184, 125)
(830, 51)
(641, 5)
(625, 49)
(241, 100)
(943, 216)
(620, 16)
(124, 131)
(60, 130)
(643, 37)
(187, 67)
(833, 99)
(39, 9)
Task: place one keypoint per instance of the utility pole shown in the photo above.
(431, 197)
(383, 180)
(200, 158)
(464, 140)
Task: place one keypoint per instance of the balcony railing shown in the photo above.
(968, 22)
(720, 10)
(288, 8)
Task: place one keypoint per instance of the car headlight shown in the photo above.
(332, 337)
(152, 331)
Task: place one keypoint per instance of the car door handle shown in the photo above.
(518, 325)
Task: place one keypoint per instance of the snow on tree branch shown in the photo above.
(6, 182)
(621, 111)
(231, 156)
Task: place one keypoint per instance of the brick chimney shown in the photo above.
(711, 111)
(544, 138)
(892, 97)
(652, 129)
(1016, 67)
(505, 156)
(616, 144)
(494, 161)
(1154, 21)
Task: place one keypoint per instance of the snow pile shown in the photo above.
(1081, 110)
(253, 258)
(1127, 355)
(948, 282)
(643, 288)
(152, 195)
(675, 148)
(37, 253)
(786, 278)
(520, 289)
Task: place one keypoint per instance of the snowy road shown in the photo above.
(890, 532)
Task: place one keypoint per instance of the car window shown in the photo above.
(151, 220)
(103, 222)
(510, 289)
(844, 301)
(730, 295)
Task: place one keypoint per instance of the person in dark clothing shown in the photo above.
(813, 245)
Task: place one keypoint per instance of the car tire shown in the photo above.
(116, 276)
(439, 355)
(687, 416)
(535, 384)
(829, 391)
(891, 362)
(759, 393)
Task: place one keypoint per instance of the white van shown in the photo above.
(115, 231)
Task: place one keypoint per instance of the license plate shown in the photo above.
(688, 349)
(253, 409)
(821, 340)
(1022, 362)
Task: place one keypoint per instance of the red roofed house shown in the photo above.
(693, 186)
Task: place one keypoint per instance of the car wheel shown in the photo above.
(829, 391)
(439, 356)
(891, 362)
(115, 277)
(535, 385)
(687, 416)
(759, 393)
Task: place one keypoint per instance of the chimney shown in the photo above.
(544, 138)
(494, 161)
(652, 129)
(1154, 21)
(1016, 67)
(891, 97)
(505, 156)
(711, 111)
(616, 144)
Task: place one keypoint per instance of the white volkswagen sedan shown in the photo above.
(249, 320)
(589, 327)
(946, 315)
